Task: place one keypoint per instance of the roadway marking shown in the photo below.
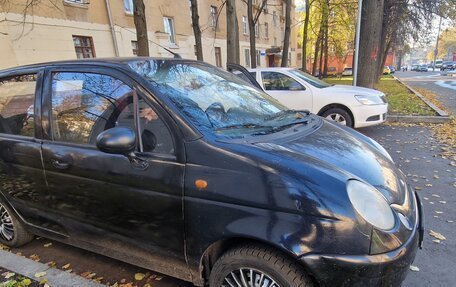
(447, 84)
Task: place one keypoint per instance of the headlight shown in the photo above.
(370, 204)
(369, 100)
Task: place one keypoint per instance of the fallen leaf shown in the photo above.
(35, 257)
(414, 268)
(436, 241)
(436, 195)
(66, 266)
(418, 188)
(47, 244)
(26, 282)
(40, 274)
(436, 235)
(8, 275)
(51, 264)
(139, 276)
(450, 221)
(438, 212)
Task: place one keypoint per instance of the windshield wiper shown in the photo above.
(242, 126)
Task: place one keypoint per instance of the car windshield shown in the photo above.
(316, 82)
(216, 100)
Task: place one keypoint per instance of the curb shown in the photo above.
(55, 277)
(418, 119)
(442, 115)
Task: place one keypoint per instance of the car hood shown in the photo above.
(347, 152)
(353, 90)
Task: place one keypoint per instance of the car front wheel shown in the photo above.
(253, 266)
(339, 116)
(12, 231)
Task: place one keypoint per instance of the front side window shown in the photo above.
(86, 104)
(274, 81)
(169, 29)
(212, 99)
(316, 82)
(84, 47)
(17, 96)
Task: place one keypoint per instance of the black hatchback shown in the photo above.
(180, 167)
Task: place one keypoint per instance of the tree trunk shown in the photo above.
(139, 16)
(316, 52)
(196, 30)
(305, 36)
(370, 34)
(251, 21)
(232, 39)
(286, 40)
(322, 47)
(326, 48)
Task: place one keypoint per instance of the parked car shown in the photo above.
(347, 105)
(181, 167)
(415, 68)
(332, 71)
(347, 72)
(392, 69)
(448, 66)
(386, 70)
(423, 68)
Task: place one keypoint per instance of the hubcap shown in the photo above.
(247, 277)
(6, 225)
(338, 118)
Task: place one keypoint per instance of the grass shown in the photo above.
(401, 101)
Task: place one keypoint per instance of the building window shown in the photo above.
(213, 17)
(169, 29)
(245, 31)
(128, 6)
(83, 47)
(218, 57)
(258, 58)
(247, 57)
(274, 18)
(257, 30)
(266, 30)
(134, 47)
(78, 2)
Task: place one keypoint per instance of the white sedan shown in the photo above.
(348, 105)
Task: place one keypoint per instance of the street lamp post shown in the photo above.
(358, 29)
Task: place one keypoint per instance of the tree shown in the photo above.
(232, 38)
(196, 29)
(305, 35)
(252, 18)
(139, 15)
(370, 37)
(286, 40)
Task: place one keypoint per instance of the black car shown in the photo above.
(180, 167)
(448, 66)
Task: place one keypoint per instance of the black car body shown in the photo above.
(200, 191)
(448, 66)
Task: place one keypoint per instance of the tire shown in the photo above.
(257, 260)
(333, 113)
(12, 231)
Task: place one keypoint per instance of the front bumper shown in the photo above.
(386, 269)
(366, 115)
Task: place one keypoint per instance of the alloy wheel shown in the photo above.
(338, 118)
(6, 224)
(248, 277)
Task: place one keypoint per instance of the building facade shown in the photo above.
(70, 29)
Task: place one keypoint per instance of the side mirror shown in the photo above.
(118, 140)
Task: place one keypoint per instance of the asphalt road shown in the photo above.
(442, 85)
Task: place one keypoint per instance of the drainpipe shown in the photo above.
(113, 31)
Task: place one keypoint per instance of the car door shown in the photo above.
(104, 201)
(287, 90)
(22, 181)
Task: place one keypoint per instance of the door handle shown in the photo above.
(60, 164)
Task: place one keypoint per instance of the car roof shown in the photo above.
(118, 61)
(271, 69)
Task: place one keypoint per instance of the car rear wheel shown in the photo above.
(12, 231)
(339, 116)
(253, 266)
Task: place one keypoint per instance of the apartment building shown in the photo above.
(69, 29)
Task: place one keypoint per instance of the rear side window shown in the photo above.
(17, 96)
